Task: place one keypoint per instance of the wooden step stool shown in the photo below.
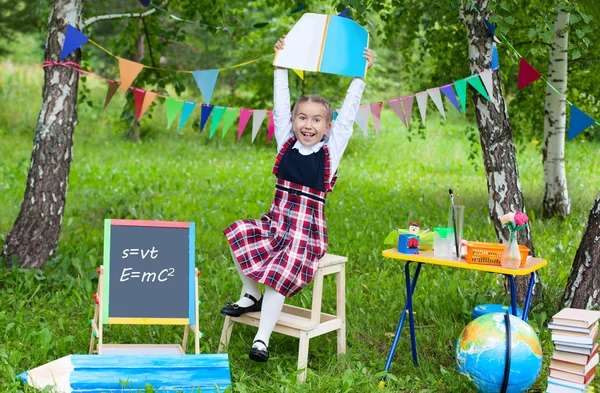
(302, 323)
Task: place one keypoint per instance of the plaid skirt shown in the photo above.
(283, 248)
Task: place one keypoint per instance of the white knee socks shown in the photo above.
(250, 286)
(271, 309)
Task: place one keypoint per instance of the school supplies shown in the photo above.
(325, 43)
(131, 373)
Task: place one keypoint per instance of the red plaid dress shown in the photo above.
(283, 248)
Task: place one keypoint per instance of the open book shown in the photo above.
(325, 43)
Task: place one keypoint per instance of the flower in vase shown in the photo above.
(514, 221)
(521, 218)
(509, 217)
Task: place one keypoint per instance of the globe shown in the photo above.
(481, 353)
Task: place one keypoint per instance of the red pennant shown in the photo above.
(138, 98)
(376, 112)
(527, 74)
(271, 126)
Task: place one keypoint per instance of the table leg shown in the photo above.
(413, 338)
(409, 291)
(513, 293)
(528, 299)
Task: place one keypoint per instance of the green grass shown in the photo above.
(384, 181)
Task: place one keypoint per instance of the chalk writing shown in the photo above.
(162, 276)
(137, 251)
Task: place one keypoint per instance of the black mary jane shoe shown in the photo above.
(234, 310)
(259, 355)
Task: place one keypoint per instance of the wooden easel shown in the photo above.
(139, 348)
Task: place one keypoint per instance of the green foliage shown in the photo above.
(384, 182)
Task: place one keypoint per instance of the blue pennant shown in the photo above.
(206, 109)
(579, 122)
(74, 39)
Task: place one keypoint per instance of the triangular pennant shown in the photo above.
(129, 70)
(486, 78)
(218, 112)
(579, 121)
(407, 104)
(448, 91)
(300, 73)
(271, 127)
(138, 99)
(397, 107)
(335, 114)
(112, 89)
(74, 39)
(461, 91)
(148, 98)
(437, 100)
(527, 74)
(188, 107)
(494, 56)
(257, 119)
(376, 111)
(206, 80)
(476, 83)
(422, 103)
(230, 116)
(173, 108)
(490, 27)
(244, 117)
(206, 110)
(362, 118)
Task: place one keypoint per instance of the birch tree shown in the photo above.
(556, 195)
(583, 286)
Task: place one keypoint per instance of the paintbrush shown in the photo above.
(454, 223)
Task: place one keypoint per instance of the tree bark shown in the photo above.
(495, 133)
(556, 196)
(583, 286)
(35, 233)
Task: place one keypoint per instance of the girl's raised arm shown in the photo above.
(282, 114)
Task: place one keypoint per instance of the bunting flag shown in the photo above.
(335, 114)
(206, 81)
(437, 100)
(397, 107)
(112, 89)
(206, 110)
(74, 39)
(230, 115)
(142, 99)
(188, 107)
(461, 91)
(257, 119)
(244, 117)
(476, 83)
(173, 108)
(362, 118)
(376, 111)
(422, 103)
(579, 121)
(300, 73)
(494, 56)
(486, 77)
(217, 115)
(271, 127)
(490, 27)
(527, 74)
(407, 104)
(129, 70)
(448, 91)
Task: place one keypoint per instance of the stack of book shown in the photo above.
(573, 363)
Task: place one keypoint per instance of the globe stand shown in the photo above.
(507, 364)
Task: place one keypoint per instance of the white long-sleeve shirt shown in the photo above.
(340, 132)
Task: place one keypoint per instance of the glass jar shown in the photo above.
(511, 256)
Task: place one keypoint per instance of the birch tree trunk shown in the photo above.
(34, 236)
(583, 286)
(556, 196)
(495, 133)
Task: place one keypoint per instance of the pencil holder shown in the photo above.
(456, 219)
(405, 246)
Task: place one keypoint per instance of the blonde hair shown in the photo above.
(316, 100)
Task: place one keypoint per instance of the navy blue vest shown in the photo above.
(307, 170)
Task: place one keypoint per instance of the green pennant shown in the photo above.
(230, 116)
(476, 83)
(217, 114)
(173, 109)
(461, 90)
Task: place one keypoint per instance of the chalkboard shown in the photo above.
(149, 272)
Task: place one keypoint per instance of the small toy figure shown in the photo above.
(413, 240)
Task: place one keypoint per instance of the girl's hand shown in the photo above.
(368, 54)
(279, 45)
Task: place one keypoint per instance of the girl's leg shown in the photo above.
(271, 309)
(250, 286)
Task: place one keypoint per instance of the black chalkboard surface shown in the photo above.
(149, 272)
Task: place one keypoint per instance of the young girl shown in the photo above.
(283, 248)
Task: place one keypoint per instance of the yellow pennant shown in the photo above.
(300, 73)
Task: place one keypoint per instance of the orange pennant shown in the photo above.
(148, 98)
(129, 71)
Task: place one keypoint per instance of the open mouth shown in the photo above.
(308, 135)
